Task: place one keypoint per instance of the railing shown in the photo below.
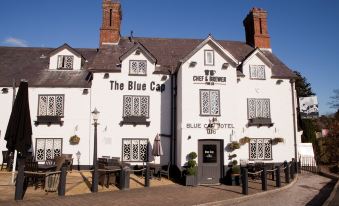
(290, 169)
(309, 164)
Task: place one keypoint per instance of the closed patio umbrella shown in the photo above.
(19, 133)
(157, 148)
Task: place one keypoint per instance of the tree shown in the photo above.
(302, 86)
(334, 103)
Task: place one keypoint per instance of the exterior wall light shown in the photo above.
(106, 75)
(225, 65)
(279, 81)
(137, 52)
(4, 90)
(85, 91)
(192, 64)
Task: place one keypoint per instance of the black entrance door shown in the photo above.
(210, 159)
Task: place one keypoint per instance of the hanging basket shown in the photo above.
(244, 140)
(233, 145)
(74, 140)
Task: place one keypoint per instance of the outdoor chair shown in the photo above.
(4, 159)
(32, 176)
(69, 161)
(258, 166)
(52, 181)
(165, 170)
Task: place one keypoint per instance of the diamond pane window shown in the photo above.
(136, 106)
(209, 102)
(260, 149)
(134, 150)
(47, 148)
(257, 72)
(138, 67)
(258, 108)
(65, 62)
(51, 105)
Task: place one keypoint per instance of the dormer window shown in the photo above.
(257, 72)
(138, 67)
(65, 62)
(209, 57)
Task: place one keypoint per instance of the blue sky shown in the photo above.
(304, 33)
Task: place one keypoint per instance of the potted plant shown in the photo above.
(235, 173)
(191, 170)
(244, 140)
(233, 145)
(75, 139)
(277, 140)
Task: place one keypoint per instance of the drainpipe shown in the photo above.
(173, 119)
(294, 122)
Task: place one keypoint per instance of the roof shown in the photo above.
(169, 52)
(26, 63)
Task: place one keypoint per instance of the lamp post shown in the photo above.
(95, 114)
(78, 154)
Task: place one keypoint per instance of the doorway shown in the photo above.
(210, 161)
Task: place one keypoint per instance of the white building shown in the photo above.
(198, 95)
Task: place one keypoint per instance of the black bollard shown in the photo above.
(292, 170)
(244, 180)
(264, 179)
(124, 179)
(19, 185)
(277, 174)
(147, 173)
(287, 172)
(62, 181)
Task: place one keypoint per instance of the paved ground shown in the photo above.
(309, 189)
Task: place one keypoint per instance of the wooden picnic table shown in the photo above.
(46, 168)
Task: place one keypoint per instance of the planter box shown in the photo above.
(49, 120)
(135, 120)
(260, 122)
(191, 180)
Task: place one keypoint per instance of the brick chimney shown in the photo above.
(256, 29)
(111, 20)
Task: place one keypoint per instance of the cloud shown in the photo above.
(15, 42)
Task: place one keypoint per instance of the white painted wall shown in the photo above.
(110, 104)
(76, 114)
(53, 62)
(233, 106)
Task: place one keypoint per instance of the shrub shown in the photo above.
(234, 162)
(191, 164)
(236, 169)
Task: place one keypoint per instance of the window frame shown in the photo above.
(208, 115)
(256, 99)
(264, 159)
(206, 63)
(134, 96)
(63, 105)
(36, 149)
(257, 66)
(131, 152)
(63, 58)
(138, 74)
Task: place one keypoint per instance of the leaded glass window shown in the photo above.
(134, 150)
(137, 67)
(258, 108)
(209, 102)
(48, 148)
(257, 72)
(51, 105)
(136, 106)
(65, 62)
(209, 57)
(260, 149)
